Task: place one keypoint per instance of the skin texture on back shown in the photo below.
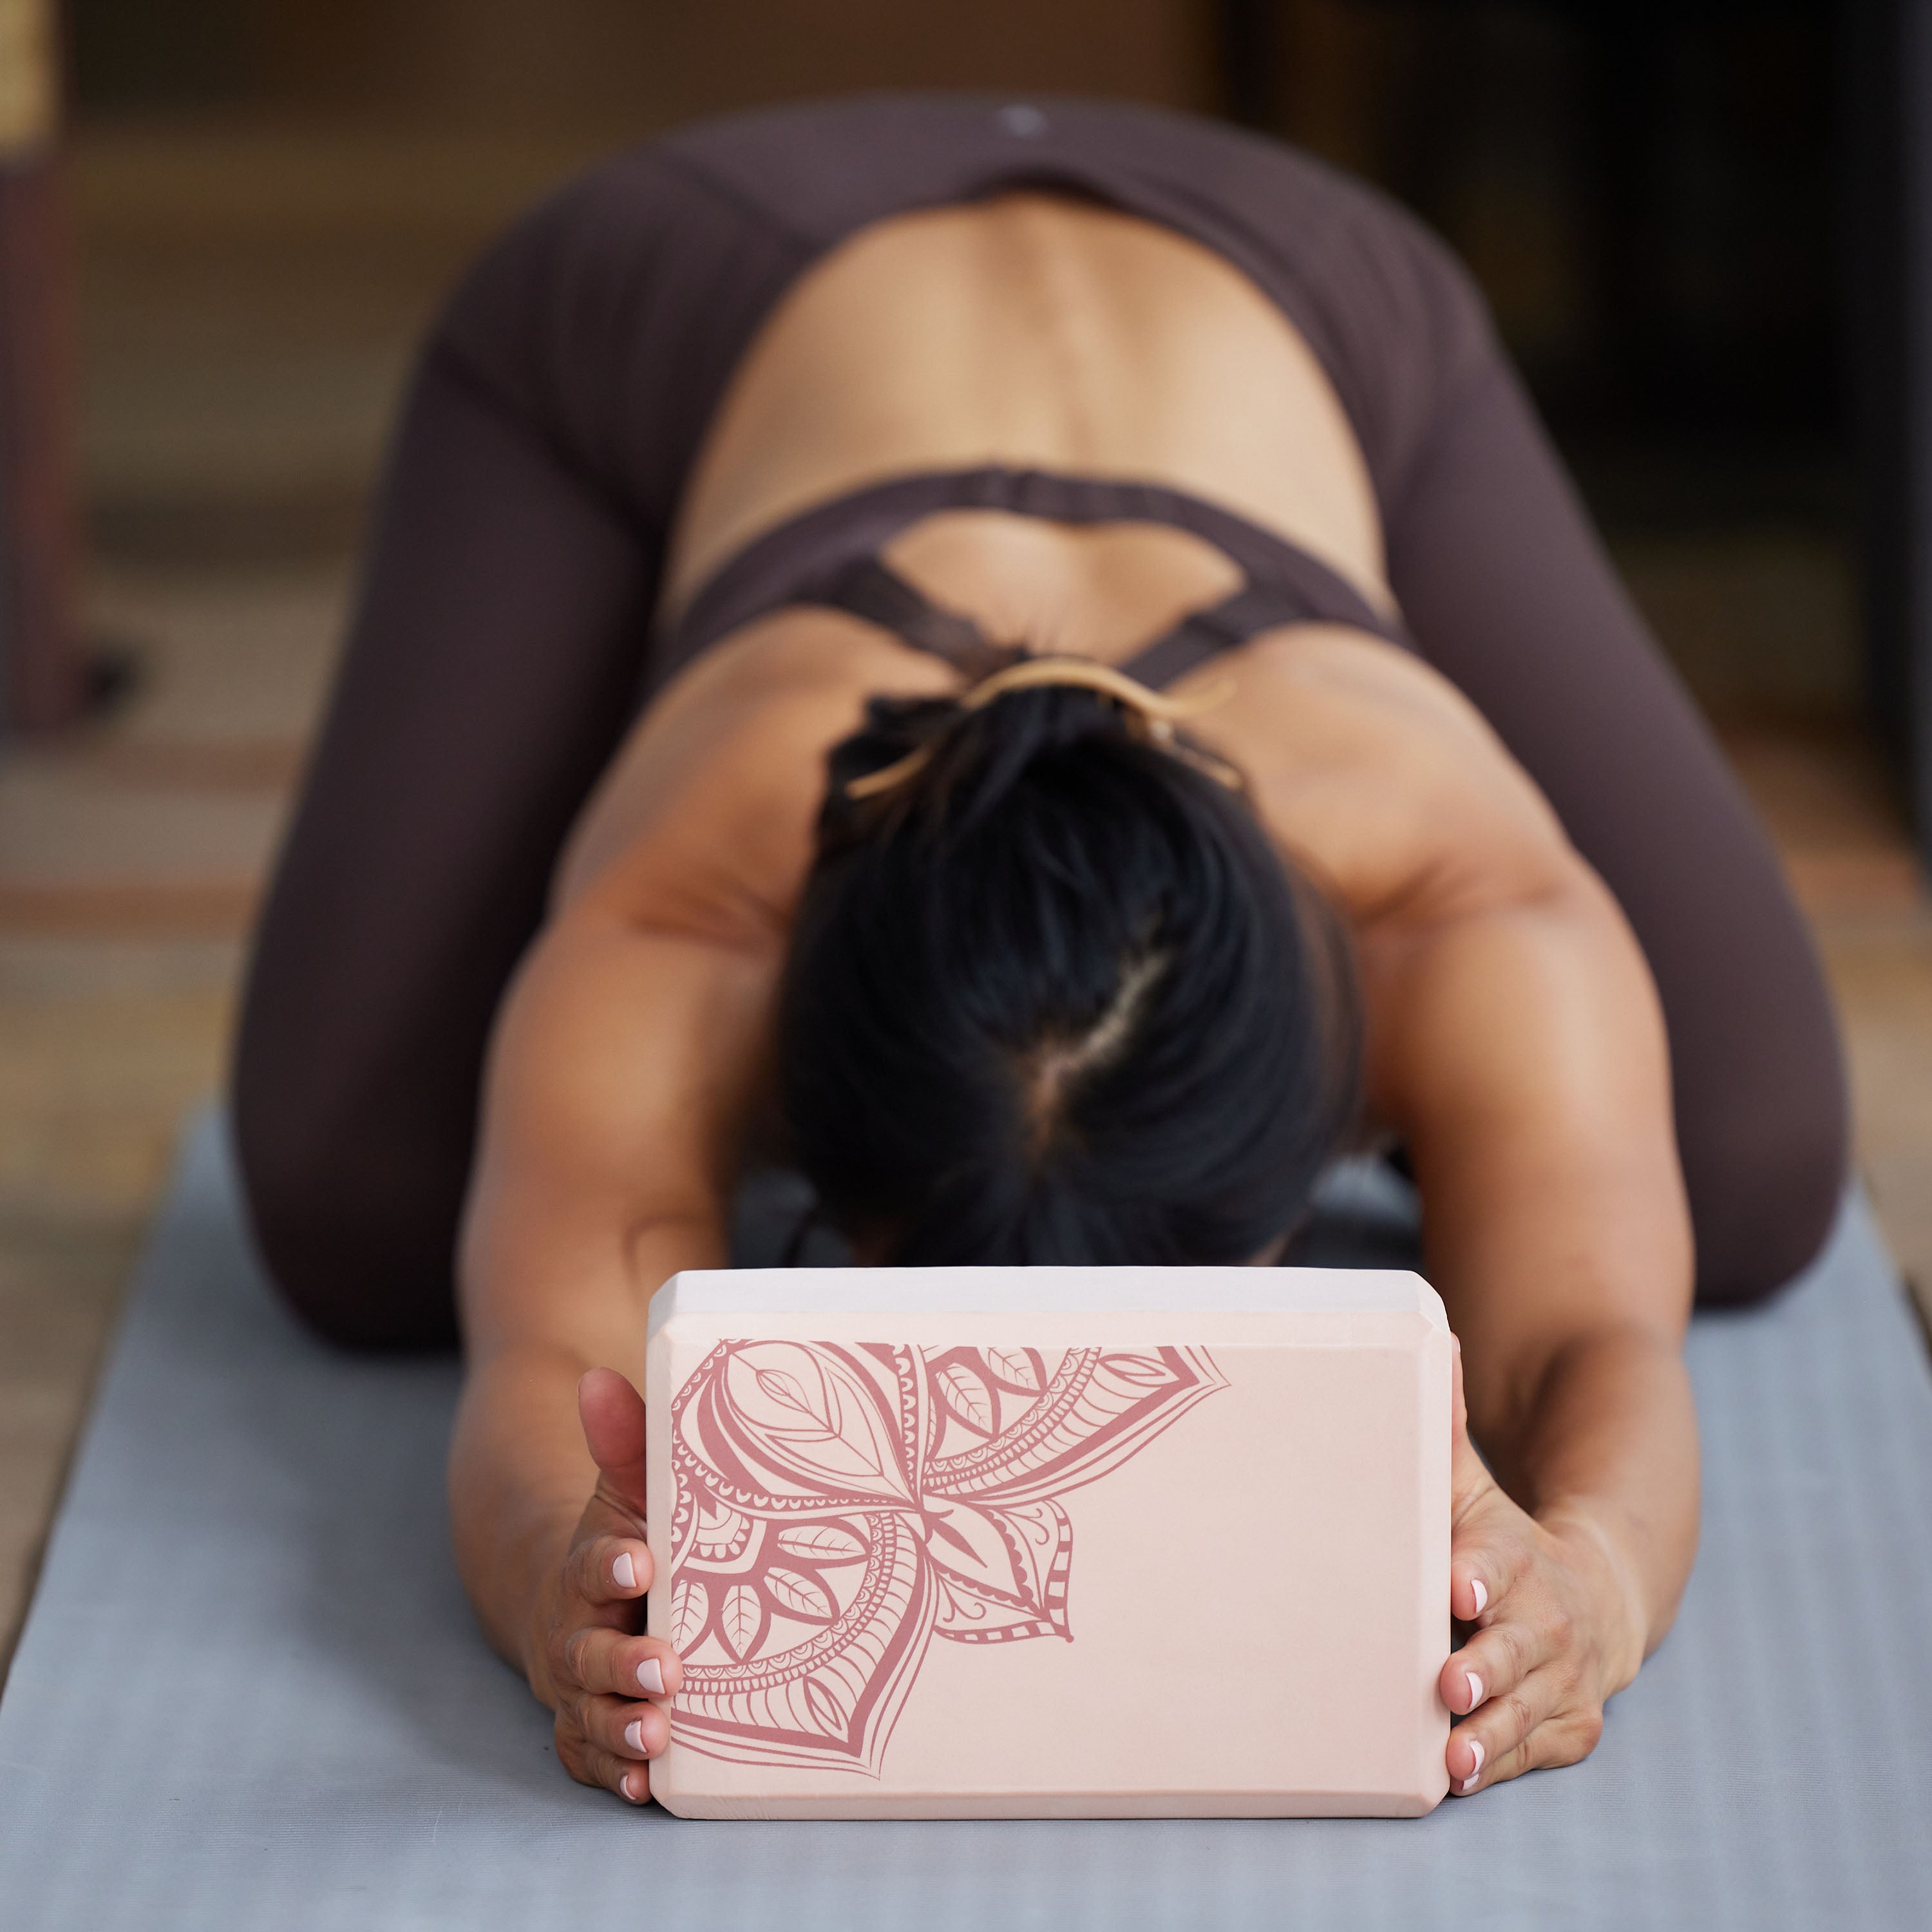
(1037, 332)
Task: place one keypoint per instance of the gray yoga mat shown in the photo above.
(250, 1692)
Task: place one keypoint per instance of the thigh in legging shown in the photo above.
(1508, 591)
(490, 670)
(498, 654)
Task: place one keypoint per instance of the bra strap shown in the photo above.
(1203, 634)
(869, 588)
(1251, 609)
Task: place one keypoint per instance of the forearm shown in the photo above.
(537, 1319)
(617, 1086)
(1604, 1440)
(519, 1477)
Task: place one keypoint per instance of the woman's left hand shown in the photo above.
(1557, 1635)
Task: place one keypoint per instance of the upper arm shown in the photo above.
(1514, 1036)
(1519, 1048)
(625, 1064)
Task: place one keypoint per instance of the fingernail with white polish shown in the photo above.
(650, 1675)
(634, 1736)
(1468, 1785)
(624, 1787)
(1475, 1697)
(1482, 1595)
(626, 1571)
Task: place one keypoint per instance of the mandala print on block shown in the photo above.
(839, 1506)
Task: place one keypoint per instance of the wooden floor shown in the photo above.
(250, 310)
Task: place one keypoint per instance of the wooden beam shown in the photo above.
(43, 679)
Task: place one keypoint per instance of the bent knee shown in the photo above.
(1766, 1185)
(364, 1260)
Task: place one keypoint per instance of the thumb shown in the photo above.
(612, 1414)
(1477, 1574)
(1468, 1472)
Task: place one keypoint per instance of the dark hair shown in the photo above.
(1054, 996)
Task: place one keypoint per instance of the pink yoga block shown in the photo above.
(1051, 1542)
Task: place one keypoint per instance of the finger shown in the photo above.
(614, 1663)
(590, 1764)
(630, 1779)
(1496, 1662)
(609, 1570)
(1488, 1552)
(1468, 1474)
(1471, 1592)
(1481, 1745)
(1564, 1737)
(612, 1414)
(622, 1726)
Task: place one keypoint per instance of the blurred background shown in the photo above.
(224, 223)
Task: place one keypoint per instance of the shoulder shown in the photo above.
(706, 815)
(1375, 770)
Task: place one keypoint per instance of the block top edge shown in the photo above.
(1181, 1292)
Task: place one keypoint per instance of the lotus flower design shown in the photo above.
(839, 1506)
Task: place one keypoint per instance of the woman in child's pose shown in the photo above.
(1237, 749)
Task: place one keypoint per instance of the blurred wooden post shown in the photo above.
(1248, 64)
(42, 677)
(1886, 114)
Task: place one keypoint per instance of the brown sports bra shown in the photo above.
(831, 555)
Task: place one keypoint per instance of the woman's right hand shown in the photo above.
(604, 1680)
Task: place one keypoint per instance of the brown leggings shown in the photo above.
(503, 644)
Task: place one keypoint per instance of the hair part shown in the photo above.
(1060, 1062)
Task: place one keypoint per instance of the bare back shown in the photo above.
(1034, 331)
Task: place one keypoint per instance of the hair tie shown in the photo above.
(1158, 714)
